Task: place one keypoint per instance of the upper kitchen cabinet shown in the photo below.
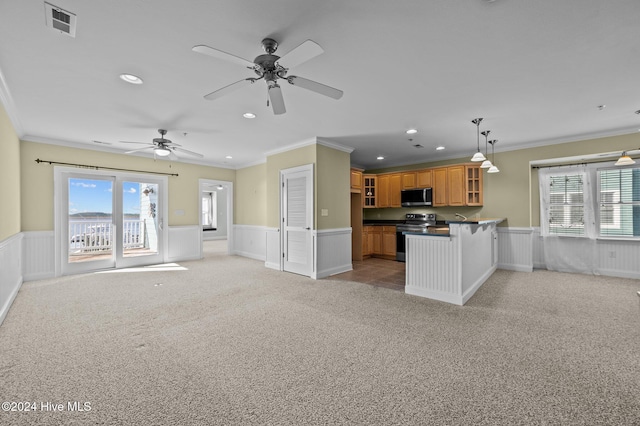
(474, 185)
(409, 180)
(369, 187)
(389, 188)
(456, 185)
(423, 178)
(356, 180)
(440, 188)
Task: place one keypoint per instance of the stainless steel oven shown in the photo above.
(414, 222)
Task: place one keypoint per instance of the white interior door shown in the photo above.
(297, 219)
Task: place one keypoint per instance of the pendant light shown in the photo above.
(478, 155)
(486, 163)
(493, 168)
(624, 160)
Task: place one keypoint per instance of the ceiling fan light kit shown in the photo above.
(163, 147)
(267, 66)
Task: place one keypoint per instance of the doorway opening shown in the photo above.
(216, 218)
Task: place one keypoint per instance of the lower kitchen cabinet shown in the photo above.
(379, 241)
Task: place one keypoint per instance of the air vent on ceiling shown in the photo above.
(60, 19)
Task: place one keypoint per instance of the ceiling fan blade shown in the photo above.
(186, 151)
(139, 143)
(228, 89)
(277, 101)
(307, 50)
(314, 86)
(139, 149)
(210, 51)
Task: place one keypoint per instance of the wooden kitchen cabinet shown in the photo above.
(474, 185)
(382, 184)
(389, 241)
(379, 241)
(409, 180)
(356, 180)
(423, 178)
(395, 189)
(440, 190)
(456, 185)
(369, 188)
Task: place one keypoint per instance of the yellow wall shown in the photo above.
(37, 181)
(281, 161)
(333, 188)
(512, 193)
(251, 196)
(9, 178)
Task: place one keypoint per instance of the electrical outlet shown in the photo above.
(612, 254)
(324, 212)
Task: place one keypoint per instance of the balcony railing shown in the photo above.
(95, 236)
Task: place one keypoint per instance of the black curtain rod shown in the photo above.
(87, 166)
(562, 165)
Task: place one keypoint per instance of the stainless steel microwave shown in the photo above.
(415, 197)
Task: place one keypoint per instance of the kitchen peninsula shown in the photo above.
(452, 267)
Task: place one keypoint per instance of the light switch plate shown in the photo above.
(324, 212)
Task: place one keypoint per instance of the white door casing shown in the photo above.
(297, 219)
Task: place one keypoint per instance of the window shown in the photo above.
(619, 206)
(566, 205)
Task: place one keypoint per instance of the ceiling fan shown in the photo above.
(268, 67)
(163, 147)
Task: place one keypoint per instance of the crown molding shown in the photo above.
(10, 107)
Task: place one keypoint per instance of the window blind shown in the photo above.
(566, 204)
(619, 202)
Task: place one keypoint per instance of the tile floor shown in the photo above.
(377, 272)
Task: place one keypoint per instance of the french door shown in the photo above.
(108, 220)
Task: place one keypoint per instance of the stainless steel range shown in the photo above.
(414, 222)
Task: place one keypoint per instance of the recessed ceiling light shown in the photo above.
(380, 157)
(130, 78)
(439, 148)
(412, 131)
(228, 157)
(249, 115)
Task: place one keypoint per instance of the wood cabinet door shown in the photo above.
(440, 191)
(423, 178)
(382, 185)
(376, 239)
(409, 180)
(456, 184)
(369, 191)
(389, 240)
(395, 188)
(474, 185)
(356, 180)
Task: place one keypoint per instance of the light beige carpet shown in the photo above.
(226, 341)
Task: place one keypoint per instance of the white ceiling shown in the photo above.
(536, 71)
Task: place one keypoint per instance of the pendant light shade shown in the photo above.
(624, 160)
(478, 156)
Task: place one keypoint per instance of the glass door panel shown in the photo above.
(88, 242)
(140, 219)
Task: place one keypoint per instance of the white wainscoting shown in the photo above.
(250, 241)
(185, 243)
(332, 252)
(274, 253)
(38, 255)
(515, 249)
(619, 258)
(11, 276)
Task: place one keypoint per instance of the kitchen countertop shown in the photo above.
(478, 221)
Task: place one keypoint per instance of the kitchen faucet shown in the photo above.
(463, 217)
